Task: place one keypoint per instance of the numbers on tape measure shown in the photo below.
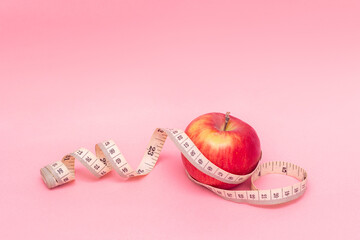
(252, 196)
(103, 160)
(151, 151)
(264, 196)
(241, 196)
(60, 171)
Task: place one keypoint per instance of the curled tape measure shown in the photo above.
(108, 157)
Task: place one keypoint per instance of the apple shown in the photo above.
(227, 142)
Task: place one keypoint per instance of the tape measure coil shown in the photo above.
(108, 157)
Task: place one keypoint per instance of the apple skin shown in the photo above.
(236, 150)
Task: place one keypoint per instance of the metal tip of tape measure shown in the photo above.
(48, 178)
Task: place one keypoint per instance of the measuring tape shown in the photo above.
(108, 157)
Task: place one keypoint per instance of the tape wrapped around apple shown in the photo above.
(227, 142)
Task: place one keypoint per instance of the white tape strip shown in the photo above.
(108, 157)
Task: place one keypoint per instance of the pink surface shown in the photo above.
(74, 73)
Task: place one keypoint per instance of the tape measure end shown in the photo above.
(48, 178)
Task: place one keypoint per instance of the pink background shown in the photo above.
(74, 73)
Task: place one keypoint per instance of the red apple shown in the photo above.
(234, 147)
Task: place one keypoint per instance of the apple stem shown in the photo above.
(227, 118)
